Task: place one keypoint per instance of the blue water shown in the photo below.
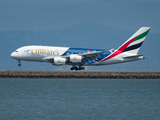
(79, 99)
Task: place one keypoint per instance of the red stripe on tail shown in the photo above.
(120, 50)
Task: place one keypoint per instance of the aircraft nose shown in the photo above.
(13, 55)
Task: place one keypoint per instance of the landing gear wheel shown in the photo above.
(77, 68)
(72, 68)
(83, 68)
(19, 64)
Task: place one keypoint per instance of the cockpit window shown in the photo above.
(16, 51)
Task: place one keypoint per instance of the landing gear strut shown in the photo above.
(77, 68)
(19, 64)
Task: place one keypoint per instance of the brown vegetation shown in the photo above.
(82, 74)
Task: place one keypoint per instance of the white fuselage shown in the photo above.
(43, 53)
(37, 53)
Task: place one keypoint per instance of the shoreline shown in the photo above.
(80, 74)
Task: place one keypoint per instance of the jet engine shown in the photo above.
(59, 61)
(75, 58)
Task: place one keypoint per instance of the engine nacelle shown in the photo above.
(59, 61)
(75, 58)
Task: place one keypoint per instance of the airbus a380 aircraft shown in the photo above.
(79, 57)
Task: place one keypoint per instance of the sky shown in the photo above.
(19, 19)
(41, 15)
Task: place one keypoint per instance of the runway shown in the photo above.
(81, 74)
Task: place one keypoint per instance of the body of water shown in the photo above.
(79, 99)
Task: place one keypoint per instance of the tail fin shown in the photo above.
(133, 44)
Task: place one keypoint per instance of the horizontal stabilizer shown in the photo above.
(135, 56)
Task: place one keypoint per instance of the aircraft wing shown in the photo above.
(85, 57)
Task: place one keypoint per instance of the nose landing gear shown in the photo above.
(77, 68)
(19, 64)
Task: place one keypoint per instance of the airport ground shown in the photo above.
(81, 74)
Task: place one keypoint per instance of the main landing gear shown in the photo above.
(19, 63)
(77, 68)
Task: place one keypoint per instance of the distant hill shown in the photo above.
(85, 35)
